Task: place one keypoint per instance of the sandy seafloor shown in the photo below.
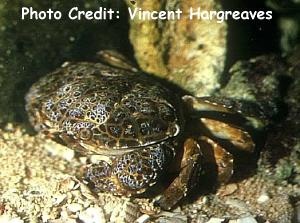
(40, 182)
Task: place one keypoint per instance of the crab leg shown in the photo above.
(115, 59)
(214, 154)
(187, 179)
(200, 104)
(239, 138)
(237, 111)
(221, 129)
(195, 155)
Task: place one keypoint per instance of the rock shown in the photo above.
(288, 17)
(75, 207)
(257, 82)
(281, 150)
(59, 150)
(59, 198)
(92, 215)
(216, 220)
(264, 197)
(143, 219)
(237, 203)
(248, 219)
(8, 219)
(172, 218)
(189, 52)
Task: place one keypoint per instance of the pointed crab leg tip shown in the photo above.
(163, 204)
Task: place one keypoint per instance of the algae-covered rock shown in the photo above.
(272, 83)
(31, 48)
(255, 78)
(282, 149)
(258, 81)
(189, 52)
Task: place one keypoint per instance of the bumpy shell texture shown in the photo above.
(102, 108)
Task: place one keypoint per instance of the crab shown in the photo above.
(143, 130)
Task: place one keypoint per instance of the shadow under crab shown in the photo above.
(142, 129)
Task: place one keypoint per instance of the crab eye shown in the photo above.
(85, 134)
